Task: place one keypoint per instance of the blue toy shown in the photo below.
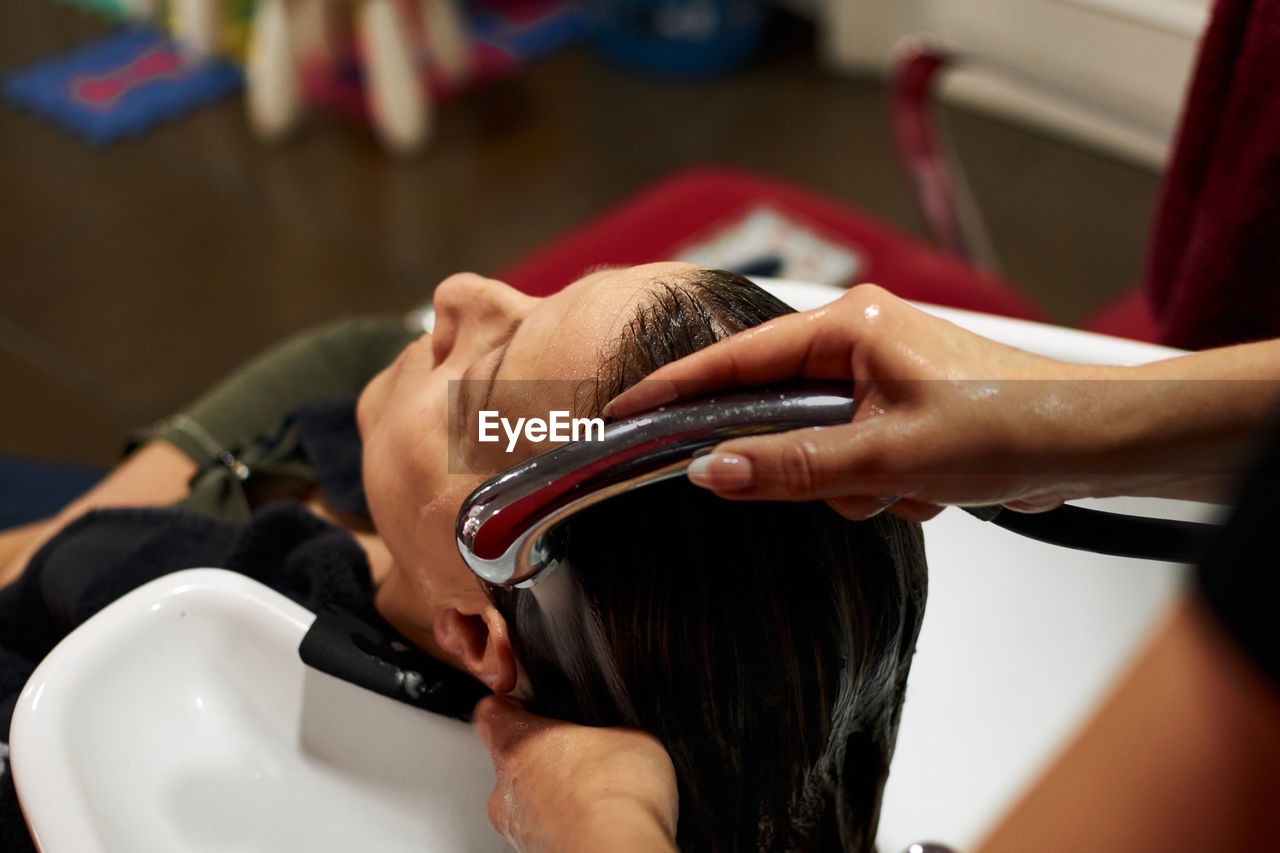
(120, 86)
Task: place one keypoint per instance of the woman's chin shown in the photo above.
(369, 403)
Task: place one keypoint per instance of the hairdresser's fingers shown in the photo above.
(816, 344)
(512, 736)
(564, 787)
(915, 510)
(860, 507)
(807, 464)
(503, 724)
(775, 351)
(1035, 503)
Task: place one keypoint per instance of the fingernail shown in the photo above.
(721, 472)
(1034, 504)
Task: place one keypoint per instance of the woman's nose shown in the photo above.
(472, 312)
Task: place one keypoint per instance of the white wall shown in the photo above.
(1107, 72)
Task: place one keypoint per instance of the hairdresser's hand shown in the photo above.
(943, 416)
(567, 788)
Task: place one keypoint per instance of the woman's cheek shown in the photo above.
(370, 405)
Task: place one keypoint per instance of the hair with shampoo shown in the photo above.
(766, 645)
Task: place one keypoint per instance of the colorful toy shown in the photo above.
(400, 111)
(204, 27)
(503, 35)
(524, 30)
(406, 56)
(119, 86)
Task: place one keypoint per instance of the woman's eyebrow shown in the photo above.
(503, 344)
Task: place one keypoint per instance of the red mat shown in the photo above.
(666, 219)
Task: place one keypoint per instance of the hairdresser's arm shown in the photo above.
(945, 416)
(154, 475)
(564, 788)
(1184, 757)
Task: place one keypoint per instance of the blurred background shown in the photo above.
(135, 272)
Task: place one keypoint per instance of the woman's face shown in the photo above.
(484, 330)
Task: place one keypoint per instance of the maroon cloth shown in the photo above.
(659, 222)
(1213, 266)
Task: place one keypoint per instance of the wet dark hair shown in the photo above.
(766, 645)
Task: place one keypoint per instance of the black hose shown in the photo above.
(1111, 533)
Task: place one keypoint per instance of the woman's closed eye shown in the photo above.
(503, 345)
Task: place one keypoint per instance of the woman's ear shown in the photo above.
(481, 643)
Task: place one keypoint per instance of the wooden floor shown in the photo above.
(132, 277)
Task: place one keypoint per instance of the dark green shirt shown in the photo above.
(236, 432)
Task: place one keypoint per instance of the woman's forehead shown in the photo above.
(554, 360)
(582, 320)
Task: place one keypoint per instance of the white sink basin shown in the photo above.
(1020, 639)
(180, 718)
